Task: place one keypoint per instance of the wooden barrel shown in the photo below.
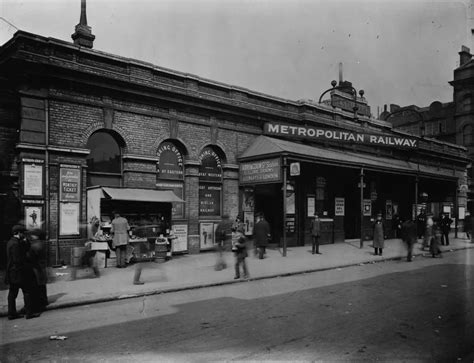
(77, 254)
(160, 250)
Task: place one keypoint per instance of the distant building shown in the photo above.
(451, 121)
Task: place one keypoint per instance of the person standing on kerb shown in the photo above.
(315, 233)
(119, 233)
(379, 235)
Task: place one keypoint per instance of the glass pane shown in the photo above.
(105, 153)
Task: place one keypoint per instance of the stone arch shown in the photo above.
(218, 148)
(99, 126)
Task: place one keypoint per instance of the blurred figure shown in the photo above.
(239, 247)
(222, 235)
(436, 241)
(119, 233)
(19, 274)
(315, 233)
(445, 225)
(37, 256)
(239, 225)
(468, 225)
(409, 236)
(261, 235)
(428, 232)
(379, 235)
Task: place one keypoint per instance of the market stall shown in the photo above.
(148, 213)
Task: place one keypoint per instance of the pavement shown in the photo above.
(184, 272)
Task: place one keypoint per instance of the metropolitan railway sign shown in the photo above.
(324, 134)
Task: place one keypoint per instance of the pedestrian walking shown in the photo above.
(409, 236)
(379, 235)
(37, 257)
(239, 247)
(445, 225)
(428, 232)
(223, 236)
(119, 233)
(421, 223)
(315, 233)
(239, 225)
(436, 241)
(468, 225)
(261, 235)
(19, 274)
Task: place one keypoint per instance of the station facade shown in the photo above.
(84, 132)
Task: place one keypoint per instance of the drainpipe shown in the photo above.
(46, 157)
(284, 207)
(361, 207)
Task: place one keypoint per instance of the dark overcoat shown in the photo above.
(18, 272)
(261, 233)
(379, 231)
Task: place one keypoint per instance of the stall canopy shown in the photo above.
(265, 146)
(141, 195)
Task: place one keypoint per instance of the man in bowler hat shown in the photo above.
(315, 233)
(19, 274)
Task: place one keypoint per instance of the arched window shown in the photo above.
(467, 135)
(210, 181)
(169, 172)
(105, 159)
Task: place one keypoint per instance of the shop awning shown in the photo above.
(141, 195)
(265, 146)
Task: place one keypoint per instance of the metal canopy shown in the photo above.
(265, 146)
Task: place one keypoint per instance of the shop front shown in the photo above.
(291, 179)
(148, 213)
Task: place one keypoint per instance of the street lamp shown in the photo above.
(341, 87)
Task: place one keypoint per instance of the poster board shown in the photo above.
(69, 219)
(249, 220)
(388, 209)
(206, 235)
(339, 207)
(180, 244)
(34, 218)
(33, 174)
(367, 204)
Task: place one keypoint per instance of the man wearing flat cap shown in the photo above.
(19, 274)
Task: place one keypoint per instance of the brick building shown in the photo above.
(451, 121)
(83, 132)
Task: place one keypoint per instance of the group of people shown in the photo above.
(26, 271)
(433, 233)
(235, 233)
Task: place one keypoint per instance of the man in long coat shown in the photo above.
(119, 233)
(261, 235)
(379, 235)
(19, 274)
(409, 235)
(315, 233)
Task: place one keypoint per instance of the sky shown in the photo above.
(401, 52)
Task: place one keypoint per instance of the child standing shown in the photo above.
(239, 248)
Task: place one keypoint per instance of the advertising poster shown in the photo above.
(209, 199)
(339, 207)
(248, 223)
(248, 201)
(311, 206)
(33, 180)
(206, 234)
(180, 244)
(367, 207)
(69, 219)
(388, 209)
(70, 182)
(33, 216)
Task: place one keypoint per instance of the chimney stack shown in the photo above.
(340, 73)
(83, 35)
(465, 55)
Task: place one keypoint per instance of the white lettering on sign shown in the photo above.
(337, 135)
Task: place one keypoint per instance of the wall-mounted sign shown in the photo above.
(311, 206)
(324, 134)
(339, 206)
(367, 205)
(70, 183)
(33, 216)
(33, 177)
(263, 171)
(210, 168)
(209, 199)
(170, 161)
(295, 169)
(248, 201)
(69, 219)
(249, 222)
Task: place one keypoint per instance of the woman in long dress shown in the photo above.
(379, 235)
